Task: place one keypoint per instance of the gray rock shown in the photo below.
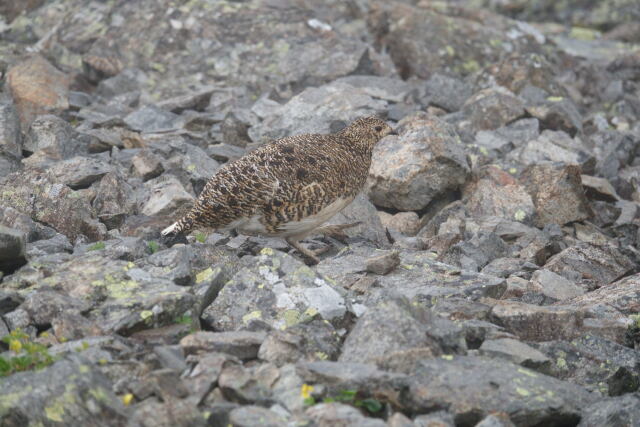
(496, 420)
(529, 398)
(45, 305)
(331, 414)
(556, 191)
(38, 195)
(52, 137)
(122, 298)
(554, 146)
(387, 88)
(122, 248)
(437, 418)
(242, 344)
(493, 108)
(147, 165)
(71, 391)
(248, 384)
(80, 172)
(114, 201)
(12, 249)
(316, 109)
(152, 412)
(557, 113)
(418, 277)
(553, 286)
(594, 363)
(411, 170)
(167, 195)
(517, 352)
(150, 119)
(613, 150)
(494, 192)
(534, 323)
(276, 289)
(452, 44)
(591, 266)
(249, 416)
(9, 301)
(475, 253)
(10, 136)
(311, 341)
(619, 411)
(383, 264)
(363, 211)
(349, 376)
(386, 331)
(445, 92)
(617, 298)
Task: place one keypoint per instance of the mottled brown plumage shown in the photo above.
(289, 187)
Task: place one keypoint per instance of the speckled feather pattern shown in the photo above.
(287, 180)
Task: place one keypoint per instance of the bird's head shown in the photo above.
(368, 131)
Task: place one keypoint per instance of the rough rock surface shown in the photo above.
(492, 278)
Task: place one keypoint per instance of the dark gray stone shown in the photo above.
(396, 326)
(472, 388)
(615, 412)
(151, 119)
(12, 249)
(445, 92)
(242, 344)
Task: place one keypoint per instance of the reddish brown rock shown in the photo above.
(37, 88)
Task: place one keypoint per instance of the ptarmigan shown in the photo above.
(289, 187)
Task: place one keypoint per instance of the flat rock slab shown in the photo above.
(12, 249)
(417, 277)
(69, 392)
(472, 388)
(277, 289)
(121, 297)
(242, 344)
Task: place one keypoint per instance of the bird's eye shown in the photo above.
(378, 128)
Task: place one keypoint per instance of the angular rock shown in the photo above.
(45, 305)
(249, 416)
(493, 108)
(554, 146)
(594, 363)
(276, 289)
(445, 92)
(10, 136)
(534, 323)
(556, 191)
(114, 200)
(80, 172)
(332, 414)
(167, 196)
(620, 298)
(386, 331)
(242, 344)
(471, 388)
(12, 249)
(557, 113)
(363, 211)
(553, 286)
(497, 193)
(37, 88)
(407, 223)
(383, 264)
(517, 352)
(450, 43)
(38, 195)
(53, 138)
(315, 110)
(590, 265)
(411, 170)
(147, 165)
(71, 391)
(619, 411)
(311, 341)
(151, 119)
(475, 253)
(418, 278)
(122, 298)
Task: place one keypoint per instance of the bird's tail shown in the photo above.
(182, 226)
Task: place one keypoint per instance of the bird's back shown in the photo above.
(282, 183)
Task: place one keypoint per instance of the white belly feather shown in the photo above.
(294, 228)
